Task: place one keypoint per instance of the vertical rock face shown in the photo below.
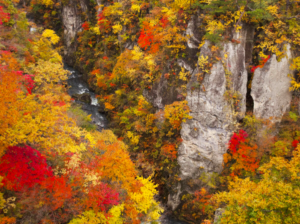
(194, 38)
(72, 24)
(206, 135)
(237, 56)
(161, 94)
(270, 88)
(248, 32)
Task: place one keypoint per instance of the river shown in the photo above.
(77, 86)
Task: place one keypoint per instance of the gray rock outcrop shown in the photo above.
(72, 25)
(85, 97)
(237, 56)
(194, 37)
(161, 94)
(218, 214)
(206, 135)
(270, 88)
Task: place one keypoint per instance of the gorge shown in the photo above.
(182, 111)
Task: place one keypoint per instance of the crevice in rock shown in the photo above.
(249, 99)
(250, 59)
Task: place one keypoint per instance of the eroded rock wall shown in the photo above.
(270, 88)
(72, 22)
(238, 56)
(206, 135)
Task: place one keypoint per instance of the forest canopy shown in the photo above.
(143, 60)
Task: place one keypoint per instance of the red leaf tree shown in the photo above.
(23, 167)
(4, 17)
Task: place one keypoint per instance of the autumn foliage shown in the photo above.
(53, 170)
(242, 153)
(85, 26)
(23, 167)
(261, 64)
(139, 57)
(150, 36)
(196, 206)
(4, 17)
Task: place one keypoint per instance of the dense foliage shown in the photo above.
(55, 168)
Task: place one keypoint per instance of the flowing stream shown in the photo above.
(77, 86)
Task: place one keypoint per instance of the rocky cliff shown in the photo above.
(205, 137)
(72, 24)
(74, 14)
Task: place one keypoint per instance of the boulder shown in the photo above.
(218, 214)
(85, 97)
